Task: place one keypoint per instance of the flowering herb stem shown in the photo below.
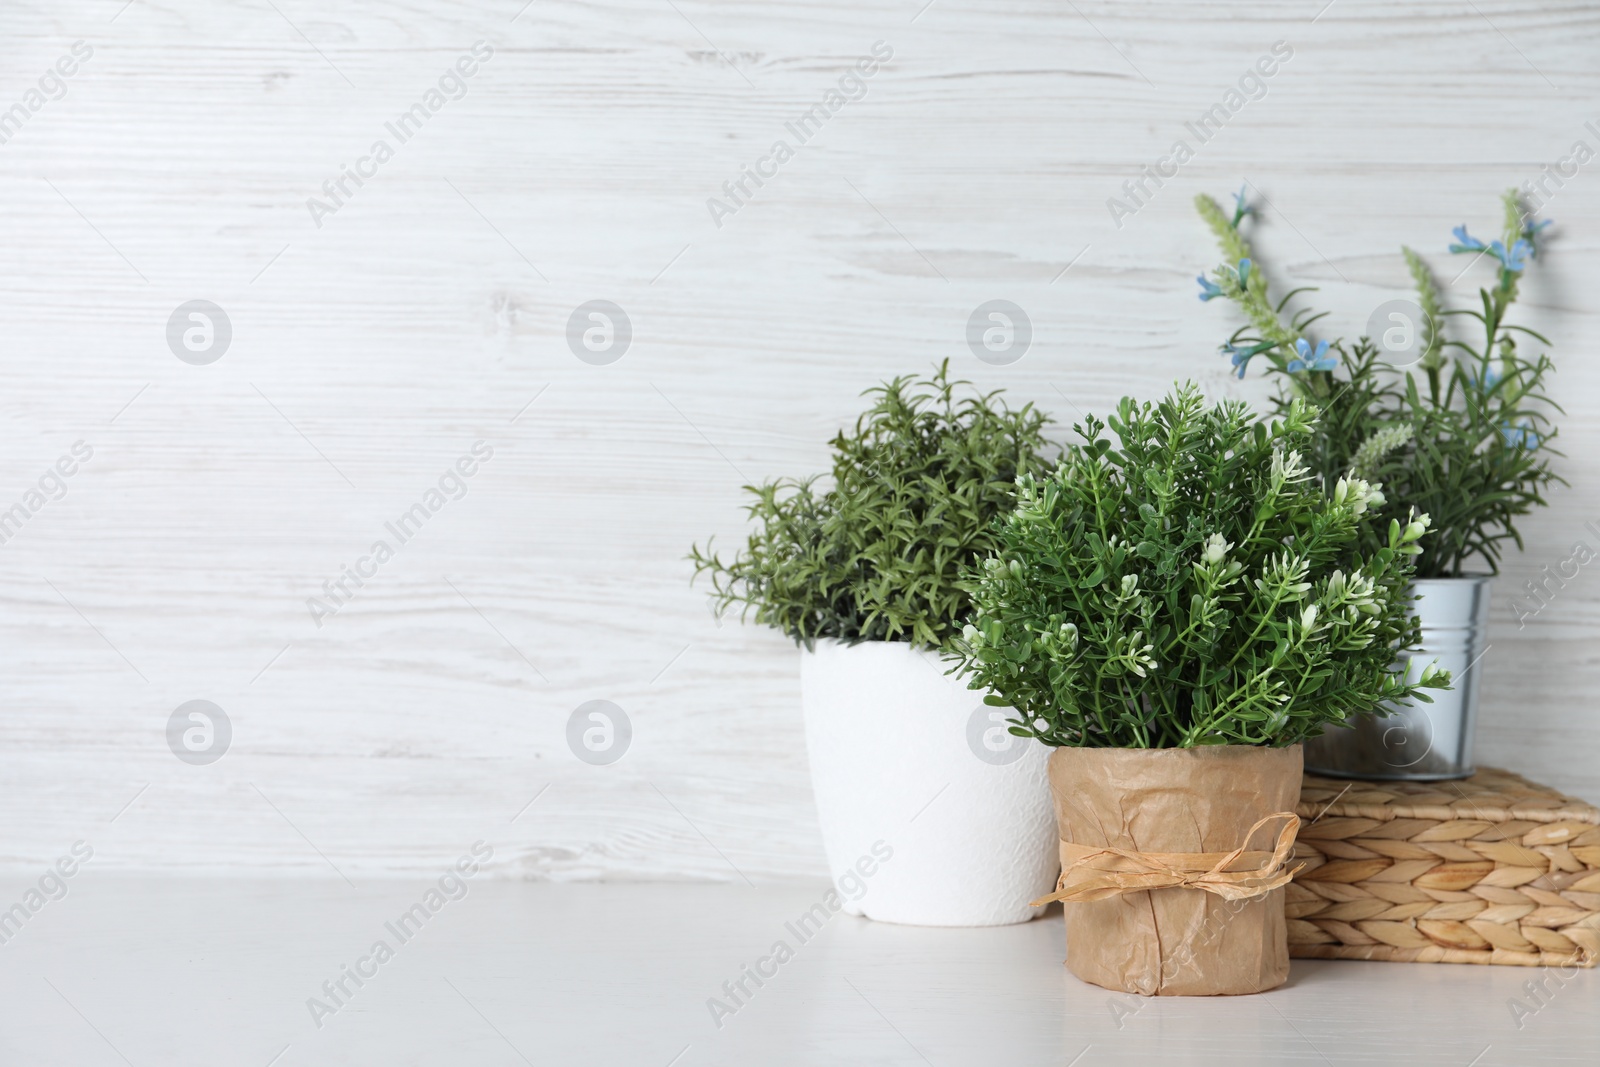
(1470, 446)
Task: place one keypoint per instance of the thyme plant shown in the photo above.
(882, 553)
(1463, 436)
(1191, 583)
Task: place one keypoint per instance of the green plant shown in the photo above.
(1192, 584)
(881, 554)
(1463, 437)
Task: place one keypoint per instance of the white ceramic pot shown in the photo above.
(905, 760)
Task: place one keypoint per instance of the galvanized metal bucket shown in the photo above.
(1425, 742)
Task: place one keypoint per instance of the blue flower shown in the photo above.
(1240, 208)
(1210, 290)
(1320, 360)
(1531, 230)
(1515, 260)
(1520, 435)
(1243, 354)
(1465, 242)
(1490, 379)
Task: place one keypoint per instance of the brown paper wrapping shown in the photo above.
(1174, 815)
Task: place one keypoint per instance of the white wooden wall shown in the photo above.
(429, 311)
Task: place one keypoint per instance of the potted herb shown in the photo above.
(1457, 426)
(867, 574)
(1173, 612)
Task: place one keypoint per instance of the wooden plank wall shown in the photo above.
(372, 345)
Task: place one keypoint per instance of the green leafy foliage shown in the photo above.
(882, 554)
(1191, 583)
(1463, 436)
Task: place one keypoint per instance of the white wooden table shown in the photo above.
(208, 972)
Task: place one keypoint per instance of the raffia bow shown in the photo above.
(1097, 873)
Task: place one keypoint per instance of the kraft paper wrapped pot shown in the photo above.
(1173, 866)
(904, 757)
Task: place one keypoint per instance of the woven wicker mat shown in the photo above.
(1492, 869)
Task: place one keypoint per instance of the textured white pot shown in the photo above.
(969, 822)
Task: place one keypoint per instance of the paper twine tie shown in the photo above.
(1098, 873)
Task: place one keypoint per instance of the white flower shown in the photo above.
(1355, 593)
(1216, 549)
(1359, 493)
(1139, 657)
(1287, 467)
(1336, 585)
(1308, 621)
(1416, 527)
(1287, 571)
